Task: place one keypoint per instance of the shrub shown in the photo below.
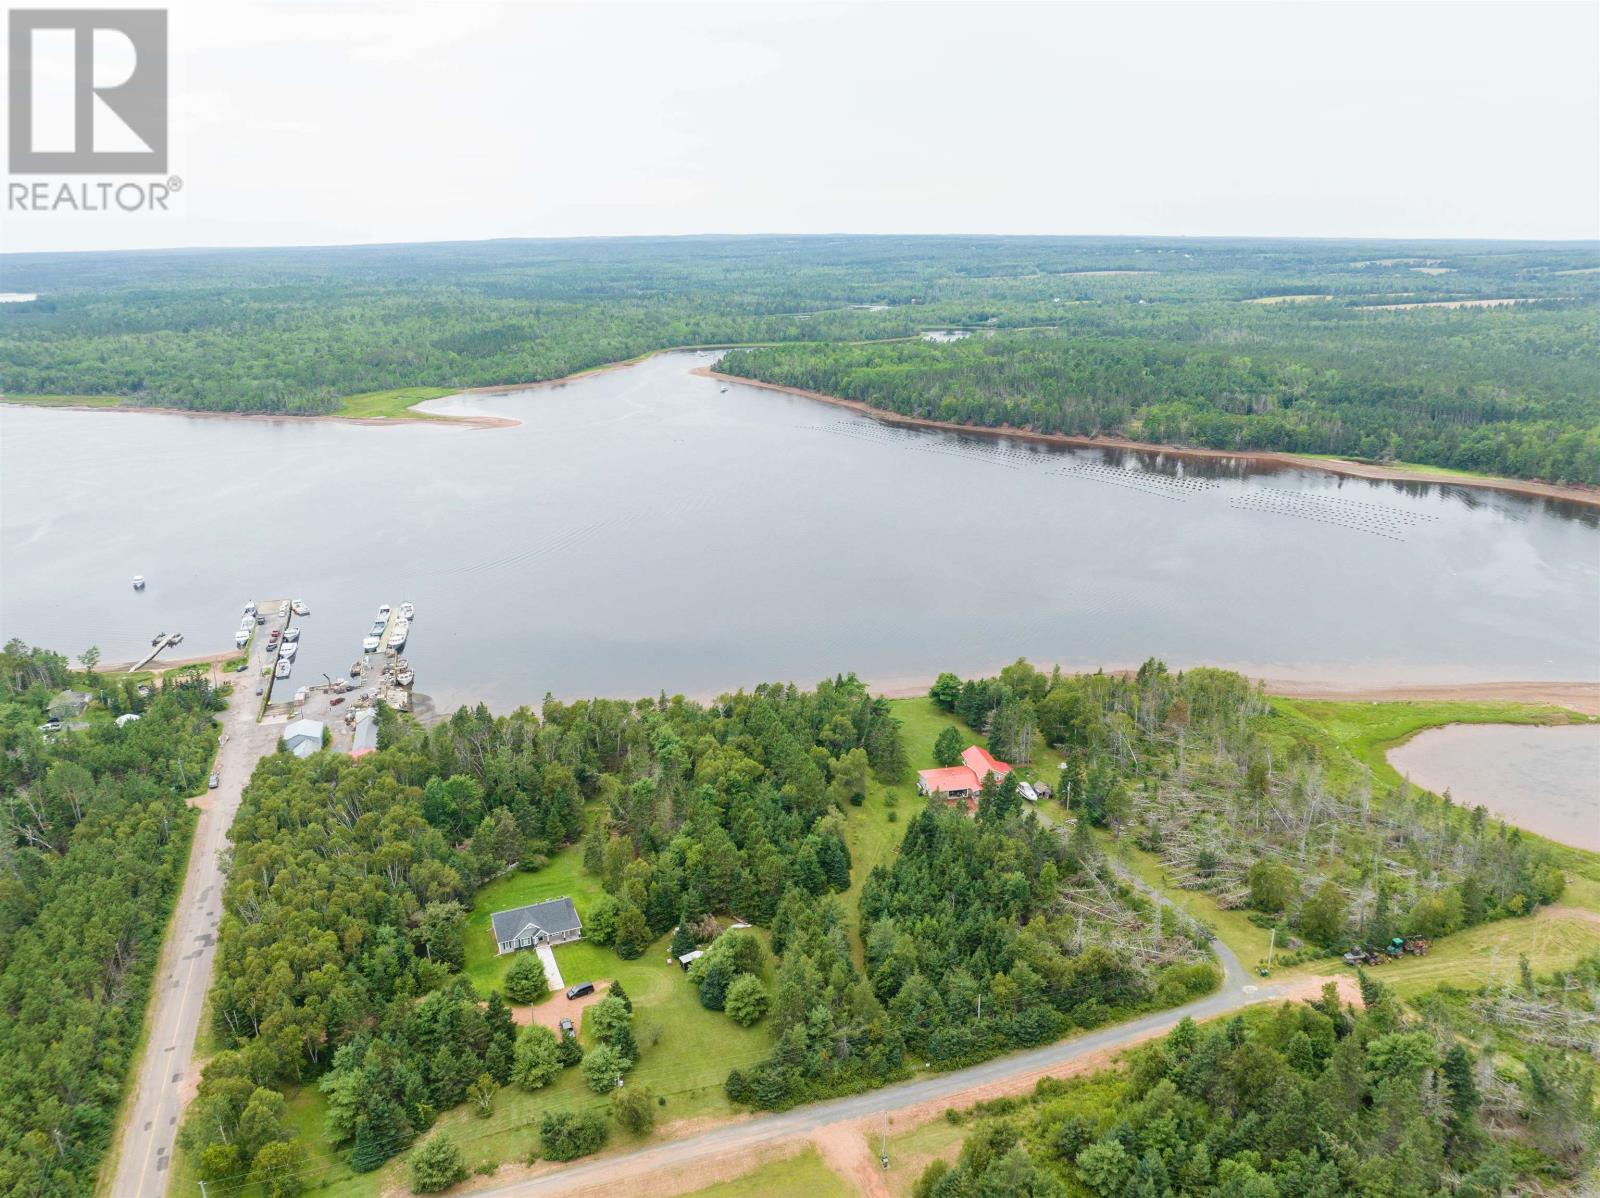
(537, 1060)
(436, 1165)
(565, 1136)
(746, 1001)
(602, 1067)
(525, 980)
(634, 1109)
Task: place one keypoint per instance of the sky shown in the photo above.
(348, 121)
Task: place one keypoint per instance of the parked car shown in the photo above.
(580, 989)
(215, 780)
(567, 1028)
(50, 725)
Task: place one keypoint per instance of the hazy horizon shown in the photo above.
(358, 123)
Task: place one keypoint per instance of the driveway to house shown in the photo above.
(165, 1081)
(552, 971)
(1238, 989)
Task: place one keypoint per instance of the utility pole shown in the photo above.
(883, 1151)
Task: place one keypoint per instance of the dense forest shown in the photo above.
(92, 848)
(1242, 802)
(1217, 342)
(1312, 1100)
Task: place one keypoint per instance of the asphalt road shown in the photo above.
(1238, 989)
(150, 1127)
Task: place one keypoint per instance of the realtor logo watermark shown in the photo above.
(88, 96)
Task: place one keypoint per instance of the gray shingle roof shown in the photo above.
(554, 916)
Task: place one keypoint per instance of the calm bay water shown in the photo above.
(1544, 779)
(645, 530)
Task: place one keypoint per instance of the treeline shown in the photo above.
(1241, 801)
(1344, 396)
(1311, 1099)
(92, 850)
(1150, 337)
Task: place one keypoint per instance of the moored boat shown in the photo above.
(138, 582)
(284, 666)
(407, 612)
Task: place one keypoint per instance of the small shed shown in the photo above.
(303, 737)
(125, 719)
(689, 958)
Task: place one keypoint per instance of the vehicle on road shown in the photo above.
(260, 690)
(214, 782)
(580, 989)
(567, 1028)
(260, 618)
(334, 702)
(299, 608)
(284, 666)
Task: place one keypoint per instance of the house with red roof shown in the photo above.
(963, 781)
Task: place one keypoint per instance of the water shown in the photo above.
(643, 530)
(1544, 779)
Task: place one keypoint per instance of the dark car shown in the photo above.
(580, 989)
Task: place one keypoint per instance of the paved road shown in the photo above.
(1238, 989)
(144, 1152)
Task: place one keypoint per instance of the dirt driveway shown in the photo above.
(557, 1007)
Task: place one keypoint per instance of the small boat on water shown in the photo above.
(160, 638)
(384, 611)
(250, 610)
(407, 612)
(287, 652)
(138, 582)
(404, 677)
(370, 645)
(397, 638)
(291, 635)
(378, 626)
(299, 608)
(241, 639)
(175, 639)
(284, 666)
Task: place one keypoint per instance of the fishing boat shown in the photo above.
(384, 610)
(378, 626)
(404, 677)
(397, 638)
(370, 644)
(250, 610)
(291, 635)
(138, 582)
(284, 666)
(407, 612)
(175, 639)
(159, 638)
(287, 652)
(241, 639)
(299, 608)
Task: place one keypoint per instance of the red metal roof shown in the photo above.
(977, 759)
(950, 779)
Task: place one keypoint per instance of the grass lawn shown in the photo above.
(59, 401)
(800, 1176)
(388, 405)
(911, 1151)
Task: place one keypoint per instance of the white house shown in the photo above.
(303, 737)
(554, 921)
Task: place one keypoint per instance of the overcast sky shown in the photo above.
(313, 121)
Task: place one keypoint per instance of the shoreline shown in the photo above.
(1343, 467)
(323, 417)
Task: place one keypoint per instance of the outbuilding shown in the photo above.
(303, 737)
(366, 737)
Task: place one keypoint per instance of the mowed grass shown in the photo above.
(391, 404)
(800, 1176)
(912, 1150)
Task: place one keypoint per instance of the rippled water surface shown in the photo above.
(645, 529)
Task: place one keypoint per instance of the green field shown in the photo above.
(65, 401)
(801, 1176)
(392, 404)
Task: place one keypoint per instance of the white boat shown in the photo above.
(291, 635)
(370, 645)
(250, 610)
(407, 612)
(241, 638)
(299, 608)
(160, 638)
(175, 639)
(397, 639)
(288, 651)
(283, 669)
(405, 678)
(138, 582)
(384, 611)
(378, 626)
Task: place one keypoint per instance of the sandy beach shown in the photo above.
(1573, 493)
